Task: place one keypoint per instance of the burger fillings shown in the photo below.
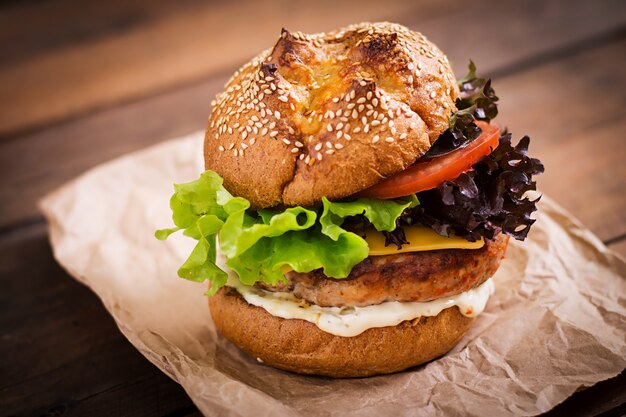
(356, 202)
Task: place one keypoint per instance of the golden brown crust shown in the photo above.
(300, 346)
(415, 276)
(329, 114)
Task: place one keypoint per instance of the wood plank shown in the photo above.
(159, 54)
(100, 373)
(605, 397)
(57, 24)
(576, 121)
(533, 102)
(59, 343)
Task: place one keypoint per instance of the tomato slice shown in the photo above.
(429, 174)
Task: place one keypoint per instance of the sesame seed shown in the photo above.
(375, 122)
(339, 133)
(362, 83)
(433, 94)
(264, 131)
(231, 146)
(403, 136)
(236, 152)
(291, 131)
(339, 126)
(252, 141)
(273, 134)
(221, 148)
(307, 159)
(338, 146)
(329, 127)
(272, 125)
(244, 146)
(411, 66)
(361, 100)
(393, 130)
(301, 157)
(352, 94)
(277, 114)
(375, 102)
(335, 99)
(284, 99)
(287, 142)
(330, 151)
(354, 114)
(318, 146)
(329, 144)
(244, 134)
(348, 137)
(319, 156)
(368, 95)
(299, 144)
(356, 130)
(389, 140)
(375, 139)
(295, 150)
(366, 128)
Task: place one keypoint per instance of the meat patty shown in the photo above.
(413, 276)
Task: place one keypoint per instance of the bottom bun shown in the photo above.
(299, 346)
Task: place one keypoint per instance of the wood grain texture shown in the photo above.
(185, 46)
(575, 121)
(60, 343)
(158, 52)
(81, 85)
(532, 102)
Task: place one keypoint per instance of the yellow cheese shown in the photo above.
(420, 239)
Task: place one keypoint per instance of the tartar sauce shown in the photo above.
(352, 321)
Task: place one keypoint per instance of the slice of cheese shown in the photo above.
(420, 239)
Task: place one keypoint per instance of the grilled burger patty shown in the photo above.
(413, 276)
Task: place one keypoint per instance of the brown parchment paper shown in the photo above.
(556, 322)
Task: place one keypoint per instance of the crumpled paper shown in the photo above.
(557, 321)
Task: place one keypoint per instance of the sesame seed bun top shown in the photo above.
(329, 114)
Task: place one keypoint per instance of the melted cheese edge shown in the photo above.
(352, 321)
(420, 239)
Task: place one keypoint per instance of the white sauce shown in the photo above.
(352, 321)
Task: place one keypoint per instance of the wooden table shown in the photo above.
(80, 85)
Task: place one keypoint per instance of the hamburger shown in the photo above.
(356, 202)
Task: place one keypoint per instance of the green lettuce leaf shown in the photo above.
(258, 244)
